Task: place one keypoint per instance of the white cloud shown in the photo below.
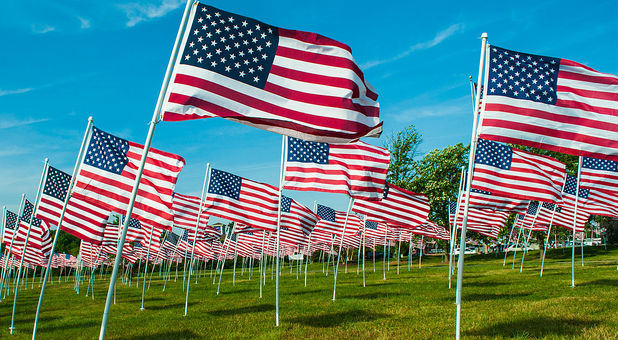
(137, 12)
(84, 23)
(440, 37)
(18, 91)
(42, 28)
(8, 121)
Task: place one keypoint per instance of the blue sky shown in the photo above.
(63, 61)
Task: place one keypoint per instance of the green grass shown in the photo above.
(498, 303)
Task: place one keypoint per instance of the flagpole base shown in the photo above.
(142, 309)
(11, 329)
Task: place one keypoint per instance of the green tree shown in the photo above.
(437, 176)
(403, 147)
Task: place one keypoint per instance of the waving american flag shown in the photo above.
(290, 82)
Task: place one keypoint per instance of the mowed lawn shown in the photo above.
(498, 303)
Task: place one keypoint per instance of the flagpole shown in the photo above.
(155, 118)
(23, 252)
(468, 187)
(523, 256)
(508, 243)
(199, 215)
(453, 239)
(364, 239)
(146, 267)
(345, 223)
(284, 141)
(579, 172)
(9, 256)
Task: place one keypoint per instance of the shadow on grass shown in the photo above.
(489, 296)
(79, 325)
(172, 306)
(375, 295)
(301, 292)
(537, 327)
(339, 318)
(175, 335)
(601, 282)
(243, 310)
(482, 284)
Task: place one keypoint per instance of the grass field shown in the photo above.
(498, 303)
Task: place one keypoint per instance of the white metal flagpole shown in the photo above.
(80, 154)
(23, 252)
(199, 215)
(345, 223)
(473, 141)
(281, 177)
(579, 172)
(8, 258)
(551, 221)
(153, 123)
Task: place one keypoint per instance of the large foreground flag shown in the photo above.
(107, 175)
(398, 207)
(290, 82)
(357, 169)
(550, 103)
(241, 200)
(509, 172)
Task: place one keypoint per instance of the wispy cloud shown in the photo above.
(84, 23)
(440, 37)
(42, 28)
(18, 91)
(137, 12)
(8, 121)
(409, 110)
(12, 151)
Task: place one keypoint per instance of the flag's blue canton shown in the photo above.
(185, 237)
(233, 237)
(231, 45)
(533, 207)
(493, 154)
(326, 213)
(307, 152)
(600, 164)
(133, 223)
(25, 215)
(570, 185)
(107, 152)
(551, 207)
(224, 183)
(137, 245)
(57, 183)
(68, 256)
(452, 207)
(520, 216)
(478, 191)
(172, 238)
(523, 76)
(386, 189)
(286, 204)
(10, 220)
(371, 225)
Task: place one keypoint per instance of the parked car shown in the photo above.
(467, 251)
(436, 251)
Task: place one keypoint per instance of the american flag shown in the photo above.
(398, 207)
(532, 214)
(483, 221)
(85, 220)
(600, 174)
(375, 229)
(54, 194)
(39, 242)
(332, 221)
(481, 199)
(357, 169)
(10, 223)
(509, 172)
(107, 175)
(290, 82)
(186, 209)
(567, 206)
(432, 230)
(550, 103)
(241, 200)
(601, 202)
(296, 216)
(135, 232)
